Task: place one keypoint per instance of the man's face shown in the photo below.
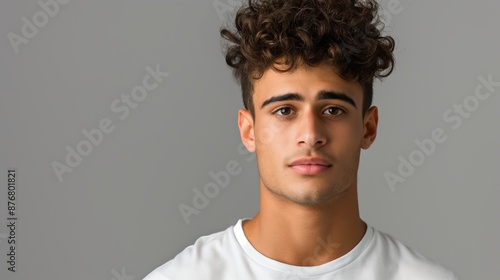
(312, 115)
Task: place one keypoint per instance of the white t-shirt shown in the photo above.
(228, 255)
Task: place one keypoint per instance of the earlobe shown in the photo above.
(246, 126)
(370, 127)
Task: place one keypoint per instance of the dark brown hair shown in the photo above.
(344, 33)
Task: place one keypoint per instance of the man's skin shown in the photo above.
(303, 209)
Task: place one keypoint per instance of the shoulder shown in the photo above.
(405, 262)
(203, 257)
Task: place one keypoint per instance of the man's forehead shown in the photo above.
(307, 81)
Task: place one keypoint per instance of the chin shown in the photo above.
(312, 197)
(308, 191)
(321, 193)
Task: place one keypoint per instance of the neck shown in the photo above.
(306, 235)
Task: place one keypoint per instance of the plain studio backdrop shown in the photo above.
(116, 115)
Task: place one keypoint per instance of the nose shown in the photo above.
(310, 131)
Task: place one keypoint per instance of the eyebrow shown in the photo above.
(322, 95)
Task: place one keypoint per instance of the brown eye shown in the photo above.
(284, 111)
(334, 111)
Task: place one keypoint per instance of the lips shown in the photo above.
(310, 165)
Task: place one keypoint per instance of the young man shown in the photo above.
(306, 69)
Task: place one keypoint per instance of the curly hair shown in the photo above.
(347, 34)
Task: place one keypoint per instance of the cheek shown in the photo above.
(265, 137)
(270, 146)
(272, 133)
(347, 137)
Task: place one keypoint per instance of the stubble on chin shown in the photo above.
(313, 198)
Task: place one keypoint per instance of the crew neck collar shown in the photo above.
(331, 266)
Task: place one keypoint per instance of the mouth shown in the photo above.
(310, 165)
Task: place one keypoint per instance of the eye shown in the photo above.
(283, 111)
(334, 111)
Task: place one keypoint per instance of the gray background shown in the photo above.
(116, 216)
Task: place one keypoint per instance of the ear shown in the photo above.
(246, 125)
(370, 123)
